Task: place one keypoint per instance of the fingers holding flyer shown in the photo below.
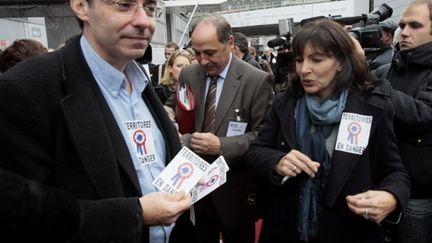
(189, 173)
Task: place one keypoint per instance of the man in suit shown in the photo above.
(84, 119)
(239, 92)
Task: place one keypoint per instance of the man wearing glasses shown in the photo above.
(85, 120)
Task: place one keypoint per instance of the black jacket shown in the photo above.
(378, 168)
(56, 128)
(32, 212)
(410, 76)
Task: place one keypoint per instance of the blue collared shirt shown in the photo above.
(130, 107)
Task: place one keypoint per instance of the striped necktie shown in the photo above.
(210, 106)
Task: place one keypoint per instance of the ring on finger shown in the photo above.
(294, 168)
(366, 213)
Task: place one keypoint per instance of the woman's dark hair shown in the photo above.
(18, 51)
(331, 38)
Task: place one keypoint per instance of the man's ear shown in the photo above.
(80, 9)
(386, 36)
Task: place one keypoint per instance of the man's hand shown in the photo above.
(205, 143)
(160, 208)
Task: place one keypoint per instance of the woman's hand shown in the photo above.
(294, 163)
(372, 205)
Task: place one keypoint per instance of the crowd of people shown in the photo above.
(340, 155)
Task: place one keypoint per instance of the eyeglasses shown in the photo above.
(129, 8)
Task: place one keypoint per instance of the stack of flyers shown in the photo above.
(182, 173)
(190, 173)
(214, 178)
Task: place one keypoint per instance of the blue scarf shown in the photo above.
(322, 117)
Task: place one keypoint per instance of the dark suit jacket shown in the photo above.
(378, 168)
(57, 128)
(245, 88)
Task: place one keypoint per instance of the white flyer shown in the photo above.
(214, 178)
(182, 173)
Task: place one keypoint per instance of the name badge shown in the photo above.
(236, 128)
(237, 125)
(142, 139)
(354, 132)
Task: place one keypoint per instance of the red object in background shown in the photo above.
(258, 225)
(185, 111)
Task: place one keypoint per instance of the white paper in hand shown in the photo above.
(182, 173)
(215, 177)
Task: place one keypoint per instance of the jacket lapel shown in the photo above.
(82, 111)
(120, 147)
(198, 84)
(229, 91)
(343, 163)
(286, 112)
(169, 132)
(94, 148)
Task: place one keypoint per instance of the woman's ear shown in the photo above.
(339, 68)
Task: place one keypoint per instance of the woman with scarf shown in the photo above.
(327, 152)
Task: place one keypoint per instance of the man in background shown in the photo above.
(410, 89)
(270, 58)
(226, 90)
(265, 66)
(157, 71)
(385, 54)
(241, 49)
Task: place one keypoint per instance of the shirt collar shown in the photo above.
(110, 77)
